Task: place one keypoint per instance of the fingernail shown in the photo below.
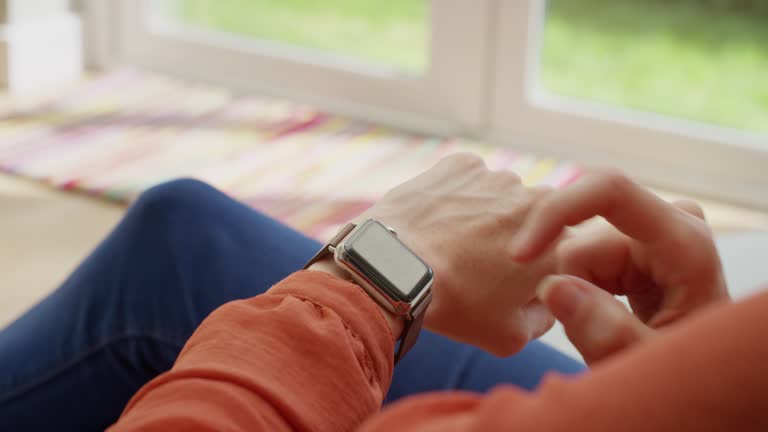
(561, 295)
(545, 286)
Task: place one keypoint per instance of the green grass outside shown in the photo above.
(671, 57)
(391, 32)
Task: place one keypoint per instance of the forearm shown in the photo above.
(313, 353)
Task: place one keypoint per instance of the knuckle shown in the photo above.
(540, 192)
(465, 159)
(613, 180)
(507, 177)
(569, 256)
(541, 199)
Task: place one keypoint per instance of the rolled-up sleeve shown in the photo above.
(313, 353)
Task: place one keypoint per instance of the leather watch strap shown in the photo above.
(412, 327)
(327, 249)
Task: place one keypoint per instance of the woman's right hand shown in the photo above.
(661, 256)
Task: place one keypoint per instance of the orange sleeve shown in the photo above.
(314, 353)
(709, 373)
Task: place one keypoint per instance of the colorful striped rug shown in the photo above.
(118, 134)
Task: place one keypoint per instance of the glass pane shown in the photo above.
(391, 33)
(705, 60)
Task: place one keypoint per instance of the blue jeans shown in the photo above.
(184, 248)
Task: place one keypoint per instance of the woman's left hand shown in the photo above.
(661, 256)
(460, 217)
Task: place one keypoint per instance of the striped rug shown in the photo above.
(118, 134)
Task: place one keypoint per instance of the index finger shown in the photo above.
(631, 208)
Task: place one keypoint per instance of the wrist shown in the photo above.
(395, 322)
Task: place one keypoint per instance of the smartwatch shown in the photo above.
(392, 274)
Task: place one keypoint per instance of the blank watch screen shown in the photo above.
(381, 252)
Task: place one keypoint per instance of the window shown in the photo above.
(389, 61)
(671, 91)
(687, 59)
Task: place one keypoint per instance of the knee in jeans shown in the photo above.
(166, 225)
(182, 198)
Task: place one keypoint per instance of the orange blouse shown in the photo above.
(314, 353)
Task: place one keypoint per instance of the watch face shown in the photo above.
(387, 262)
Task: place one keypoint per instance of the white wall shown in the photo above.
(41, 44)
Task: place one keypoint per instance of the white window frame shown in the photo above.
(448, 98)
(687, 156)
(481, 83)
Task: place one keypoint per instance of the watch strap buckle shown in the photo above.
(328, 248)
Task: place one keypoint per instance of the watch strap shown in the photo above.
(412, 327)
(327, 249)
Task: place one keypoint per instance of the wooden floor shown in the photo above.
(45, 233)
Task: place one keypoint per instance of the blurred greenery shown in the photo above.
(748, 6)
(673, 57)
(391, 32)
(699, 59)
